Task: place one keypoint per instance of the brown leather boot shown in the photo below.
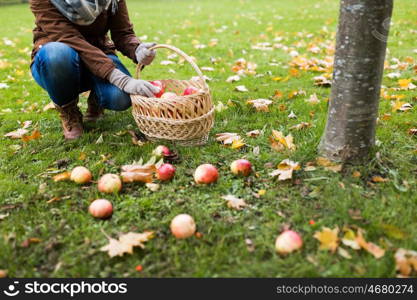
(94, 110)
(71, 119)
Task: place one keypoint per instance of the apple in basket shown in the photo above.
(161, 86)
(190, 90)
(168, 95)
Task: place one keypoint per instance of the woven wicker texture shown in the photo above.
(186, 120)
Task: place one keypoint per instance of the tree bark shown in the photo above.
(358, 67)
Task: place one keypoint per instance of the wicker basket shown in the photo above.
(186, 120)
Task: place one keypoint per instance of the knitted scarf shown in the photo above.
(84, 12)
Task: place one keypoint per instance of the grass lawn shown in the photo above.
(70, 239)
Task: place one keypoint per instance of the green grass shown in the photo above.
(70, 238)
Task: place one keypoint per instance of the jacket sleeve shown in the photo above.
(122, 33)
(60, 29)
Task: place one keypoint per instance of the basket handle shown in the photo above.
(180, 53)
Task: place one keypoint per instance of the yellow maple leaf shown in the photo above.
(328, 238)
(279, 142)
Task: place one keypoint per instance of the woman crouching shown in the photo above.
(73, 54)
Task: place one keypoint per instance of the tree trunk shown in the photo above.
(358, 67)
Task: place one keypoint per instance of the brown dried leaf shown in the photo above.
(375, 250)
(117, 248)
(36, 134)
(126, 243)
(62, 176)
(405, 261)
(49, 106)
(234, 202)
(144, 177)
(253, 133)
(300, 126)
(379, 179)
(260, 104)
(227, 138)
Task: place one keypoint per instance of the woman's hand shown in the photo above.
(144, 56)
(131, 85)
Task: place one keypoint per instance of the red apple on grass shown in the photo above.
(288, 241)
(109, 183)
(183, 226)
(101, 209)
(161, 87)
(162, 151)
(190, 90)
(206, 174)
(165, 172)
(241, 167)
(81, 175)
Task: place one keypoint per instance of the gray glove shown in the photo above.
(131, 85)
(144, 56)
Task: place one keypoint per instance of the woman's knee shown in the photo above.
(116, 99)
(58, 56)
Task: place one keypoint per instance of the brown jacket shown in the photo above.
(92, 41)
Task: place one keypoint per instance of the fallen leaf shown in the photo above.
(405, 261)
(373, 249)
(117, 248)
(82, 156)
(406, 84)
(313, 99)
(17, 134)
(234, 202)
(153, 187)
(126, 243)
(292, 115)
(322, 81)
(227, 138)
(241, 88)
(233, 78)
(3, 216)
(62, 176)
(379, 179)
(260, 104)
(349, 239)
(26, 243)
(328, 238)
(280, 143)
(400, 106)
(100, 139)
(285, 169)
(136, 138)
(343, 253)
(49, 106)
(253, 133)
(136, 239)
(237, 144)
(328, 165)
(301, 125)
(36, 134)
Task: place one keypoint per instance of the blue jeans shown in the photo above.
(58, 69)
